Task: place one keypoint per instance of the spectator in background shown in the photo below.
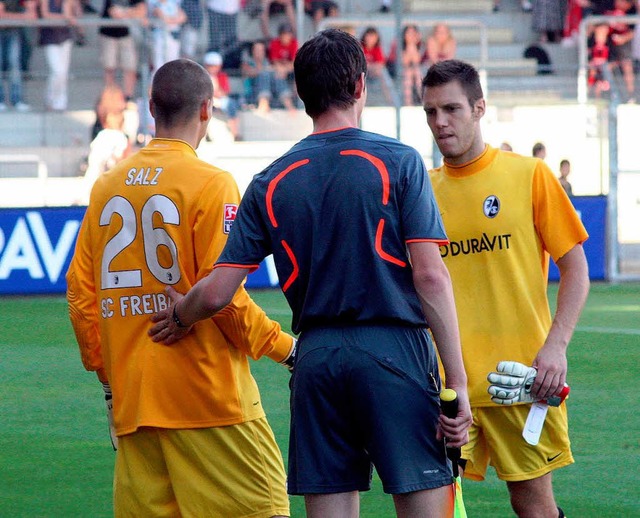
(621, 44)
(282, 51)
(261, 83)
(376, 63)
(221, 92)
(505, 146)
(223, 24)
(118, 44)
(413, 58)
(191, 29)
(270, 7)
(108, 147)
(565, 171)
(570, 33)
(319, 9)
(166, 35)
(539, 151)
(441, 44)
(112, 100)
(548, 18)
(10, 42)
(57, 43)
(598, 60)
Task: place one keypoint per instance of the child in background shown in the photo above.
(598, 59)
(621, 46)
(110, 145)
(221, 90)
(282, 52)
(261, 83)
(441, 45)
(413, 58)
(376, 66)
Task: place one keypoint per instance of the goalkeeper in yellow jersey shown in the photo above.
(192, 436)
(505, 215)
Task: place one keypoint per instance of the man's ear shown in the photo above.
(152, 108)
(361, 86)
(479, 109)
(206, 110)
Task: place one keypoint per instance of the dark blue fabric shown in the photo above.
(363, 396)
(325, 213)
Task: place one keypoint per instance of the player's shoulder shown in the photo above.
(376, 140)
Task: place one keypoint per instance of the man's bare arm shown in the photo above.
(208, 296)
(433, 285)
(573, 289)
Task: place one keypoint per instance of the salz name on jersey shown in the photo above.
(143, 176)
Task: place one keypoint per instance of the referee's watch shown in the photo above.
(176, 318)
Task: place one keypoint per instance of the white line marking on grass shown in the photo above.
(608, 330)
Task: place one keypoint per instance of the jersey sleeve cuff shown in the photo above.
(437, 241)
(251, 267)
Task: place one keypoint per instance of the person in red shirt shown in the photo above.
(282, 51)
(621, 47)
(221, 92)
(374, 55)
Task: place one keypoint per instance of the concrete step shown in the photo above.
(453, 7)
(535, 88)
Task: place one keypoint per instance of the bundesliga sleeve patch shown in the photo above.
(230, 211)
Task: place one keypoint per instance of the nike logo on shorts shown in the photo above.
(550, 459)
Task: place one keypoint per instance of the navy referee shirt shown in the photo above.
(336, 211)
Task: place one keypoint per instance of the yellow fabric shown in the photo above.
(159, 217)
(499, 264)
(514, 460)
(233, 471)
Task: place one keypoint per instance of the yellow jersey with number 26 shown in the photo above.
(161, 217)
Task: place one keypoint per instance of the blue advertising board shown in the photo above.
(593, 213)
(36, 246)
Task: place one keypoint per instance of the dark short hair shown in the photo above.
(451, 70)
(564, 161)
(537, 147)
(327, 68)
(178, 89)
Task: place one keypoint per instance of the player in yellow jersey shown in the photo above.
(192, 435)
(504, 215)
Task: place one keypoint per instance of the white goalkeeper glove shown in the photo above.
(511, 383)
(108, 398)
(290, 360)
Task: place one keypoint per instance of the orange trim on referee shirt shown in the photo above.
(251, 267)
(439, 242)
(274, 183)
(378, 164)
(294, 262)
(379, 249)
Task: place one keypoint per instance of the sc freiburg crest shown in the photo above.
(491, 206)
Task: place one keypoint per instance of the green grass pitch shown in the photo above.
(56, 459)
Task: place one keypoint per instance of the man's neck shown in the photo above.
(190, 135)
(334, 119)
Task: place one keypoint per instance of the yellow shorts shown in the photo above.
(232, 471)
(495, 438)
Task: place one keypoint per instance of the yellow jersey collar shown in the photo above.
(473, 166)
